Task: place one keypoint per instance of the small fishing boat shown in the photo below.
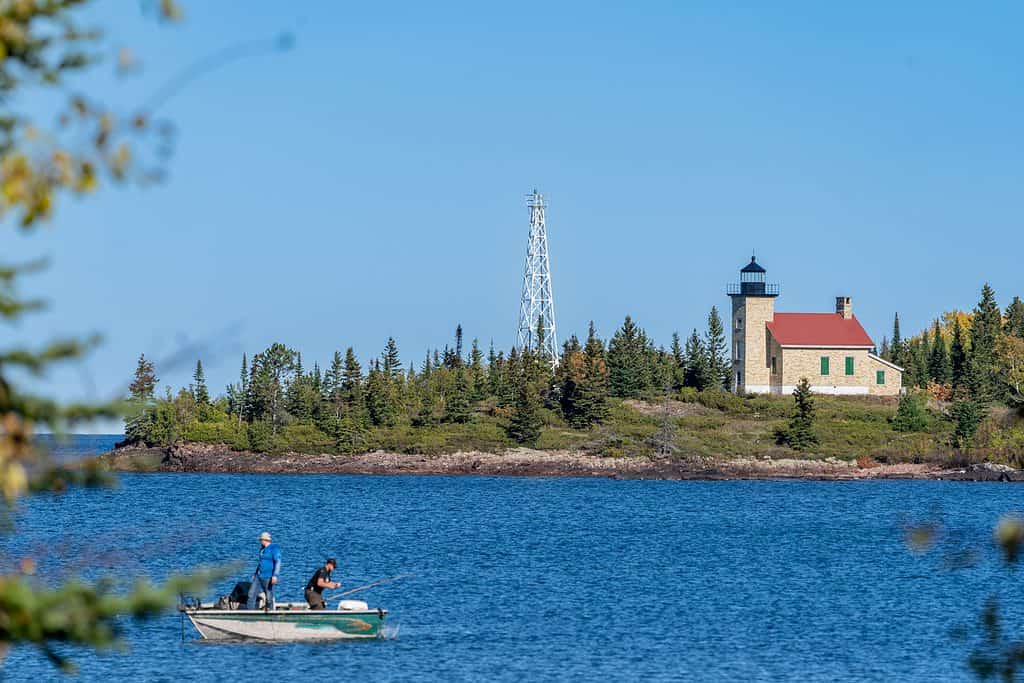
(291, 621)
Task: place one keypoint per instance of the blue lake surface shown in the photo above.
(548, 579)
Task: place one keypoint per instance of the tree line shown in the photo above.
(971, 360)
(346, 399)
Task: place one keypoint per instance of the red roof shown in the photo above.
(818, 329)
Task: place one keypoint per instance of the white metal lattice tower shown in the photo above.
(537, 301)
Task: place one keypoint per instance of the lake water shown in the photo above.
(547, 579)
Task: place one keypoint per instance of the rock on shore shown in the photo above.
(528, 462)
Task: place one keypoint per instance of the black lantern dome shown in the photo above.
(752, 282)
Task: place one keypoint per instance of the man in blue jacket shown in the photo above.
(267, 571)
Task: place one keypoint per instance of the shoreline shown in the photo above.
(524, 462)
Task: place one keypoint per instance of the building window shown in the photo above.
(739, 351)
(773, 365)
(739, 378)
(849, 365)
(824, 365)
(880, 377)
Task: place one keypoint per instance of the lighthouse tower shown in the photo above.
(753, 307)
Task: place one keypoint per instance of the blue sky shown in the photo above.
(372, 180)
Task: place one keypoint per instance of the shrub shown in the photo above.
(688, 395)
(260, 437)
(911, 415)
(230, 433)
(302, 439)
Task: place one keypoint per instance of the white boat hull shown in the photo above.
(286, 624)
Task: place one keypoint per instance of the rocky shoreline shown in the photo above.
(205, 458)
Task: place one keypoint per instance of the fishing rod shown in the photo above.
(371, 585)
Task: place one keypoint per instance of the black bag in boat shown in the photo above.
(237, 598)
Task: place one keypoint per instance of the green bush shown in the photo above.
(688, 395)
(260, 437)
(230, 433)
(302, 439)
(912, 414)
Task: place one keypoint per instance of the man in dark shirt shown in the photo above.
(318, 582)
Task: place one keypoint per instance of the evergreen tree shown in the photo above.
(143, 385)
(458, 345)
(939, 367)
(457, 407)
(527, 420)
(920, 355)
(334, 380)
(477, 373)
(958, 358)
(800, 434)
(139, 420)
(911, 415)
(592, 404)
(698, 372)
(884, 351)
(380, 400)
(510, 378)
(967, 416)
(392, 363)
(199, 391)
(1015, 318)
(426, 416)
(628, 370)
(352, 387)
(678, 363)
(896, 343)
(985, 330)
(238, 392)
(719, 372)
(570, 378)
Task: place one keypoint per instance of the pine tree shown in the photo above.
(628, 369)
(458, 345)
(911, 415)
(527, 420)
(800, 434)
(967, 416)
(592, 404)
(352, 387)
(143, 385)
(140, 418)
(678, 363)
(1015, 318)
(884, 351)
(334, 380)
(939, 367)
(477, 373)
(457, 407)
(896, 343)
(199, 391)
(570, 377)
(985, 330)
(958, 358)
(392, 364)
(719, 372)
(922, 352)
(380, 401)
(698, 372)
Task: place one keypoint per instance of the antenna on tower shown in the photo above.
(537, 304)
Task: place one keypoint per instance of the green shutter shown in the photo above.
(849, 365)
(880, 377)
(824, 365)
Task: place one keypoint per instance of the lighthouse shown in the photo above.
(753, 306)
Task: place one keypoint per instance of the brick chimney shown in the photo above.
(844, 307)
